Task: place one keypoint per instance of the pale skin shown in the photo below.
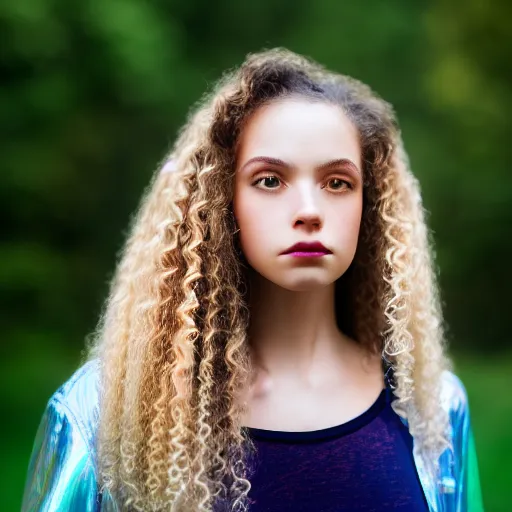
(308, 375)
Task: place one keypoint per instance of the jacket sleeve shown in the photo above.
(469, 495)
(61, 473)
(473, 489)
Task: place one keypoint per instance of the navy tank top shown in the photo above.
(363, 465)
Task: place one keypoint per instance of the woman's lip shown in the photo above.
(307, 254)
(307, 247)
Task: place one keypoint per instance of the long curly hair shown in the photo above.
(172, 339)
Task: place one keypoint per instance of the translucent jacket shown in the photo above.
(62, 474)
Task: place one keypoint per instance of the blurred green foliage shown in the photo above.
(93, 93)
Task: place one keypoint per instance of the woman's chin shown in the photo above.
(304, 283)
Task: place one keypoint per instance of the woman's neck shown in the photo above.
(294, 333)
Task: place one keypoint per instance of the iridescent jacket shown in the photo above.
(62, 473)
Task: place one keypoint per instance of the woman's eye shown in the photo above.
(340, 184)
(272, 182)
(267, 179)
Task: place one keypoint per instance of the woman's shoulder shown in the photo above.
(62, 470)
(85, 378)
(79, 398)
(454, 397)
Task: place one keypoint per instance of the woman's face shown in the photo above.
(298, 179)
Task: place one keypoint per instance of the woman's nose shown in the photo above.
(309, 209)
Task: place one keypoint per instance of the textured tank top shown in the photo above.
(363, 465)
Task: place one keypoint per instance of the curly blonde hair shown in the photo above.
(172, 339)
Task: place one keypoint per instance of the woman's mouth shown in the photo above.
(306, 254)
(312, 249)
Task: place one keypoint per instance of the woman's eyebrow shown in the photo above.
(339, 162)
(267, 160)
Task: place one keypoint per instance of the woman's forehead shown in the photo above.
(300, 132)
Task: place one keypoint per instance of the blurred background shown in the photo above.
(93, 93)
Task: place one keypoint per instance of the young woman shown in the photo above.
(273, 338)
